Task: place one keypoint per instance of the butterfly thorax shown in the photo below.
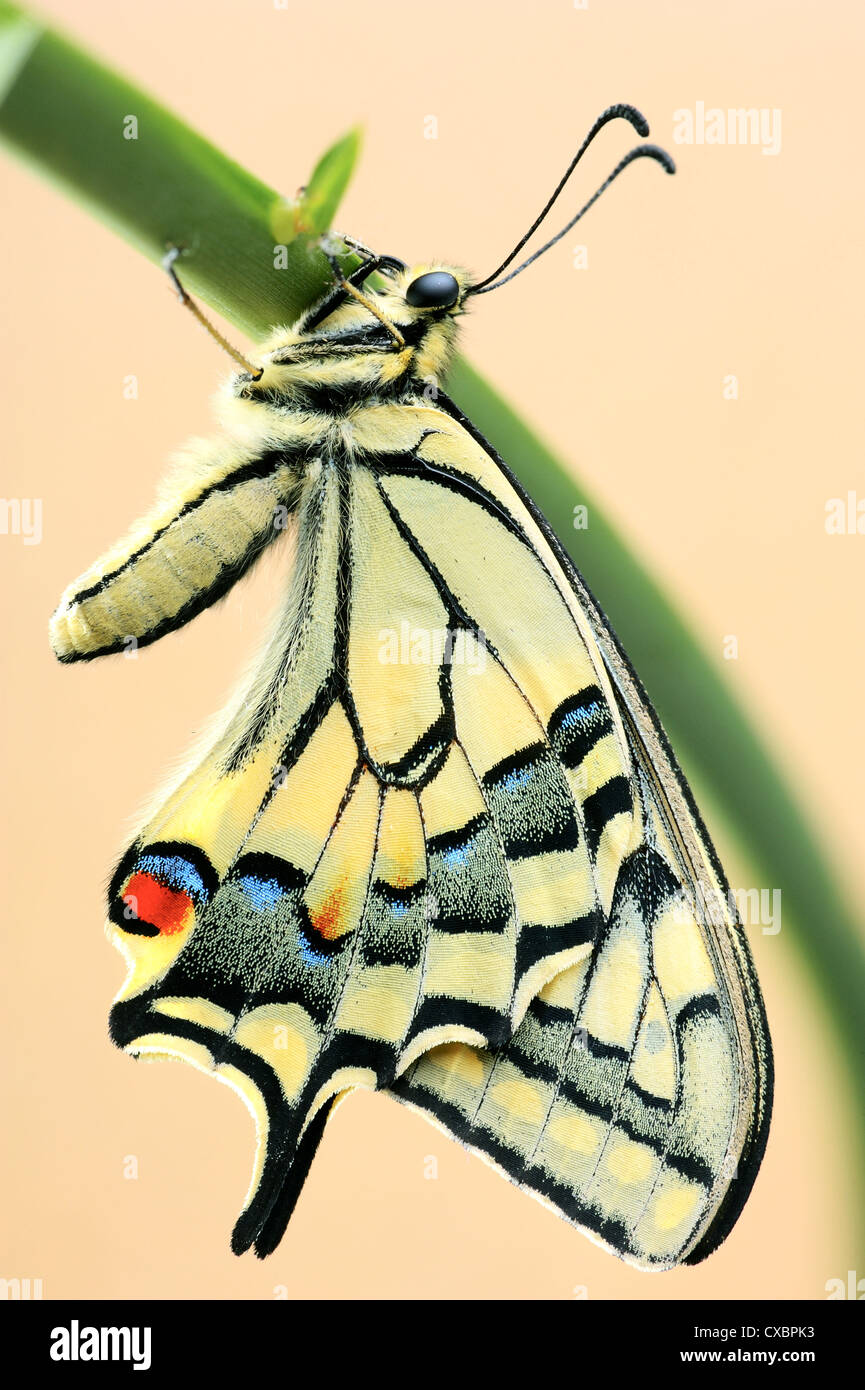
(377, 348)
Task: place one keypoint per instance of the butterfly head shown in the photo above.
(378, 335)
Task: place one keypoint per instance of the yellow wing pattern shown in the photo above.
(635, 1096)
(427, 851)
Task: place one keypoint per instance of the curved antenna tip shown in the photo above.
(628, 113)
(618, 110)
(653, 152)
(660, 156)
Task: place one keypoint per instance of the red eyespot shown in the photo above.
(169, 910)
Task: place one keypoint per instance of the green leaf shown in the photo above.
(330, 178)
(160, 184)
(18, 34)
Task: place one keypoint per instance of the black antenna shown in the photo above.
(629, 113)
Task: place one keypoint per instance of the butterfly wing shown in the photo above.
(360, 868)
(635, 1097)
(429, 810)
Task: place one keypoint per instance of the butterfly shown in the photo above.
(439, 844)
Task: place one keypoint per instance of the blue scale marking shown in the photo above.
(582, 716)
(263, 893)
(458, 857)
(514, 780)
(311, 957)
(174, 872)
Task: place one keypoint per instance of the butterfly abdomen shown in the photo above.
(183, 556)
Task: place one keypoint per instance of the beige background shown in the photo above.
(745, 264)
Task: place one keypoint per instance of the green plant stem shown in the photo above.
(158, 183)
(65, 114)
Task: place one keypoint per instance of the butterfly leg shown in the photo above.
(362, 250)
(348, 285)
(188, 302)
(381, 262)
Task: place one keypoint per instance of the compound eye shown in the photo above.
(438, 289)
